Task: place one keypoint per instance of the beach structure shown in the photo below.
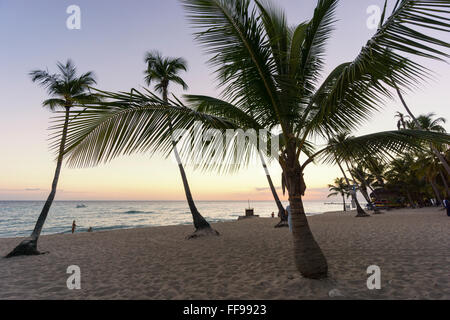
(249, 213)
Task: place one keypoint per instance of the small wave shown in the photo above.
(138, 212)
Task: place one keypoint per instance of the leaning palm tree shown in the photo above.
(339, 146)
(340, 187)
(365, 181)
(67, 91)
(164, 71)
(270, 75)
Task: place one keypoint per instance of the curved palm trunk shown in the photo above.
(29, 246)
(365, 193)
(444, 181)
(435, 151)
(202, 227)
(359, 209)
(281, 210)
(309, 258)
(199, 221)
(436, 190)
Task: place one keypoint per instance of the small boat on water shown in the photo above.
(81, 206)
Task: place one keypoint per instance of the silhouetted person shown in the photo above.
(447, 205)
(74, 226)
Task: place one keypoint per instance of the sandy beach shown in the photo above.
(251, 260)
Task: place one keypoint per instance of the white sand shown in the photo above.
(251, 260)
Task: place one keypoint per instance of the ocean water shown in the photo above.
(17, 218)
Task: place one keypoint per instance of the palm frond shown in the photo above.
(382, 145)
(382, 60)
(136, 122)
(231, 32)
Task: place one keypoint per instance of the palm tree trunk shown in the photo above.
(345, 205)
(199, 221)
(435, 151)
(436, 191)
(281, 210)
(444, 181)
(364, 192)
(360, 210)
(309, 258)
(202, 227)
(29, 246)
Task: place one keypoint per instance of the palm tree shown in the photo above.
(427, 167)
(429, 123)
(270, 75)
(377, 169)
(164, 71)
(365, 181)
(340, 187)
(338, 146)
(424, 121)
(402, 120)
(401, 175)
(67, 91)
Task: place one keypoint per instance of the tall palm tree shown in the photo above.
(340, 187)
(165, 71)
(67, 91)
(270, 75)
(402, 120)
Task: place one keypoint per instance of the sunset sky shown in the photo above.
(114, 37)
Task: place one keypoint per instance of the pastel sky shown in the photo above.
(114, 37)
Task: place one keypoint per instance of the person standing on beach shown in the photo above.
(447, 205)
(74, 226)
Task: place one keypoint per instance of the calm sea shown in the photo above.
(17, 218)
